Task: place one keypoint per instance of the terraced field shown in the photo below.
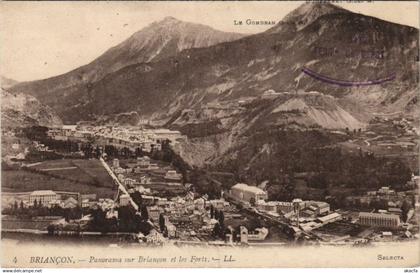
(84, 176)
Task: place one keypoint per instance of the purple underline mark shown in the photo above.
(320, 77)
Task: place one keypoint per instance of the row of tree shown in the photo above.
(38, 209)
(128, 221)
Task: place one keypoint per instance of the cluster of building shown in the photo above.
(65, 200)
(390, 198)
(258, 235)
(255, 196)
(309, 214)
(389, 218)
(121, 137)
(187, 216)
(406, 125)
(49, 199)
(145, 176)
(384, 194)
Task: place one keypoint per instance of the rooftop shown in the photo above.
(329, 217)
(43, 192)
(245, 187)
(383, 215)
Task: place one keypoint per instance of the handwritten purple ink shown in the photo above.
(323, 78)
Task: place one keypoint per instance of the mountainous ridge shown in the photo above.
(7, 82)
(156, 41)
(251, 65)
(309, 12)
(21, 110)
(216, 95)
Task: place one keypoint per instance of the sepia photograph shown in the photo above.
(210, 134)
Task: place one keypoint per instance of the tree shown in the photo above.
(236, 234)
(405, 209)
(211, 212)
(222, 232)
(318, 181)
(216, 214)
(144, 213)
(221, 218)
(161, 222)
(51, 229)
(98, 221)
(98, 151)
(136, 196)
(216, 229)
(35, 204)
(138, 152)
(165, 232)
(21, 204)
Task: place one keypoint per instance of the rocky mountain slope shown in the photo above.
(329, 40)
(6, 82)
(219, 129)
(21, 110)
(157, 41)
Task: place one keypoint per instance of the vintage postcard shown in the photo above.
(210, 134)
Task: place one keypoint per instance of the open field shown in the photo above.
(79, 170)
(94, 169)
(88, 176)
(54, 164)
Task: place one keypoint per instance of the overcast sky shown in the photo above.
(44, 39)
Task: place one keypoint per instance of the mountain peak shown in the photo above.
(169, 19)
(307, 13)
(6, 82)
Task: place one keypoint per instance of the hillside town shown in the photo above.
(132, 138)
(153, 203)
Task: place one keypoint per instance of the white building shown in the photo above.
(143, 162)
(154, 213)
(164, 134)
(386, 191)
(173, 175)
(244, 192)
(171, 228)
(219, 204)
(270, 94)
(43, 197)
(154, 237)
(129, 181)
(330, 218)
(70, 203)
(267, 206)
(284, 207)
(319, 207)
(379, 219)
(259, 235)
(116, 163)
